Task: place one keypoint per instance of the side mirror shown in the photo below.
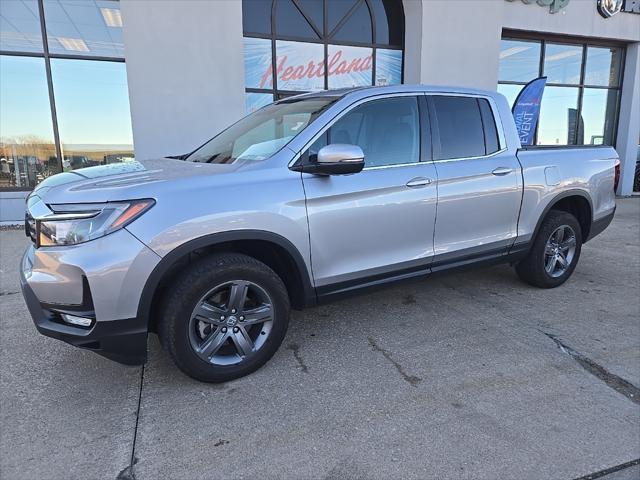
(337, 159)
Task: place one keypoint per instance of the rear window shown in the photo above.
(461, 127)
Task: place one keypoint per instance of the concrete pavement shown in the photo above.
(457, 376)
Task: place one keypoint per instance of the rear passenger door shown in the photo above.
(377, 223)
(479, 182)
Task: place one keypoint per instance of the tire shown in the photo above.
(206, 347)
(534, 268)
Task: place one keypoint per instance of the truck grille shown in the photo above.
(30, 227)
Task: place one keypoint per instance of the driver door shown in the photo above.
(377, 224)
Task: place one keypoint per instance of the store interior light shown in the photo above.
(111, 17)
(73, 44)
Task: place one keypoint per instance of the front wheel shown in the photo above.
(554, 253)
(225, 317)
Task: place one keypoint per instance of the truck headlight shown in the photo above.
(79, 223)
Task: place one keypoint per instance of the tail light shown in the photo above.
(617, 176)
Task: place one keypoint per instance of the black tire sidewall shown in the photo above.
(192, 285)
(535, 262)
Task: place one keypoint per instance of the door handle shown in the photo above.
(502, 171)
(418, 182)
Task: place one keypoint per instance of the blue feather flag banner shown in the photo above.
(526, 109)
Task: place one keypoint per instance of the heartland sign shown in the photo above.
(302, 66)
(337, 64)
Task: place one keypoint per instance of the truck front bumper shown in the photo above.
(124, 341)
(101, 283)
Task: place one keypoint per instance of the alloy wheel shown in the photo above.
(559, 251)
(231, 322)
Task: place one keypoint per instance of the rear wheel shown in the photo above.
(554, 253)
(225, 317)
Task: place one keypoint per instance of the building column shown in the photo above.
(629, 120)
(460, 42)
(185, 70)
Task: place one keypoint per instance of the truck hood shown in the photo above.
(123, 181)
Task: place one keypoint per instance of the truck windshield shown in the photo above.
(262, 133)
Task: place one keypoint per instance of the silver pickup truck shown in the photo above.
(307, 199)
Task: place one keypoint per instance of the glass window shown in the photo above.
(255, 101)
(572, 112)
(257, 63)
(519, 60)
(562, 63)
(299, 66)
(321, 44)
(336, 11)
(388, 67)
(603, 66)
(357, 27)
(94, 120)
(459, 127)
(349, 66)
(314, 10)
(77, 27)
(389, 20)
(489, 124)
(388, 131)
(262, 133)
(290, 22)
(256, 16)
(27, 148)
(510, 91)
(558, 116)
(599, 113)
(20, 26)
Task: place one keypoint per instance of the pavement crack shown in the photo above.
(613, 381)
(411, 379)
(6, 294)
(609, 471)
(295, 348)
(128, 472)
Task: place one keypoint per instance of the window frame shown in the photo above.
(426, 148)
(47, 55)
(324, 39)
(581, 86)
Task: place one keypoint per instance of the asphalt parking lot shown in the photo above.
(471, 375)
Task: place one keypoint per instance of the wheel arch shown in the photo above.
(272, 249)
(576, 202)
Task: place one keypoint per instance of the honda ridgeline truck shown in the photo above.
(304, 200)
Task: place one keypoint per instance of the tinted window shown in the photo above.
(603, 66)
(290, 22)
(459, 126)
(357, 28)
(92, 102)
(558, 117)
(27, 149)
(256, 16)
(386, 130)
(489, 124)
(84, 28)
(20, 27)
(519, 60)
(562, 63)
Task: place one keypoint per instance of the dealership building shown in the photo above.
(89, 82)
